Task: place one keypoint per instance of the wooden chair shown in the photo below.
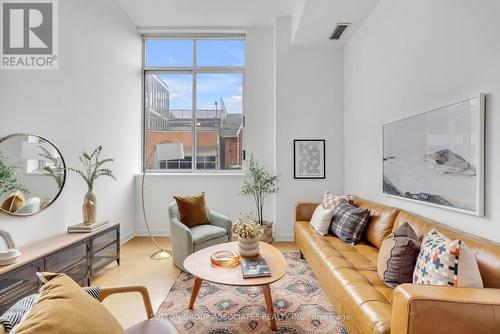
(149, 326)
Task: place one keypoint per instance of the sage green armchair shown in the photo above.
(186, 241)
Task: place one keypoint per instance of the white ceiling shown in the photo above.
(313, 21)
(205, 13)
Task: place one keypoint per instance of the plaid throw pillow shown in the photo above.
(349, 222)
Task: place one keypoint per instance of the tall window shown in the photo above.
(193, 103)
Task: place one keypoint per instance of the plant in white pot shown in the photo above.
(249, 233)
(259, 183)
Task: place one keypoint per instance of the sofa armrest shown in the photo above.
(108, 291)
(221, 221)
(304, 211)
(442, 309)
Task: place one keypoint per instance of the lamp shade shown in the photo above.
(169, 151)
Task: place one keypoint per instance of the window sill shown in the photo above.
(173, 174)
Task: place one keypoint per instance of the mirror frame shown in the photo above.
(5, 138)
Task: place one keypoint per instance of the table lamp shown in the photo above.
(163, 151)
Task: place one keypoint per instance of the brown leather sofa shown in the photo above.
(348, 275)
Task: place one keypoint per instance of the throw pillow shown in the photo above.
(321, 219)
(63, 307)
(330, 201)
(442, 261)
(13, 202)
(192, 210)
(349, 222)
(397, 256)
(15, 313)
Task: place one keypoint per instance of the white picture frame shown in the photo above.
(437, 157)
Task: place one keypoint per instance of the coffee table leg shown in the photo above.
(269, 304)
(194, 294)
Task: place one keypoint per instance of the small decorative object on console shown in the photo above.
(11, 253)
(226, 259)
(92, 170)
(255, 268)
(82, 228)
(249, 233)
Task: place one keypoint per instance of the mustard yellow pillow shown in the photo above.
(192, 209)
(64, 308)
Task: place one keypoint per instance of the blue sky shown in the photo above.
(210, 87)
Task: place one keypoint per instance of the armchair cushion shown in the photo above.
(192, 210)
(203, 233)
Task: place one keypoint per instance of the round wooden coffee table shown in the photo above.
(199, 265)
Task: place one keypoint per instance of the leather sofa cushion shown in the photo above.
(381, 220)
(487, 252)
(351, 273)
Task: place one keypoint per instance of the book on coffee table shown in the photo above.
(81, 228)
(255, 268)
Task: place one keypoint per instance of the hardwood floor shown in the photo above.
(136, 268)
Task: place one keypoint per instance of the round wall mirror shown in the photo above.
(32, 174)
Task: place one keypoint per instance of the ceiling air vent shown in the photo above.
(339, 30)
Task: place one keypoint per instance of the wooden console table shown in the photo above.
(78, 255)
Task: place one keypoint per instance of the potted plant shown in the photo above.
(8, 179)
(92, 170)
(249, 233)
(259, 183)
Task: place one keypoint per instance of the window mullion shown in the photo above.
(194, 150)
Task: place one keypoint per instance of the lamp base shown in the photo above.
(162, 254)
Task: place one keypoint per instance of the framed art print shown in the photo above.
(437, 157)
(309, 159)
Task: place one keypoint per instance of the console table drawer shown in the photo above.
(103, 240)
(104, 257)
(19, 284)
(66, 258)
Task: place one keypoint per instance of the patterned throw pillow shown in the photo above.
(330, 201)
(445, 262)
(349, 222)
(397, 256)
(16, 312)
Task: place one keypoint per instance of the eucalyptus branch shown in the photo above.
(92, 167)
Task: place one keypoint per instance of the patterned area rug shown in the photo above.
(300, 304)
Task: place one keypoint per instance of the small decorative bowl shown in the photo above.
(226, 259)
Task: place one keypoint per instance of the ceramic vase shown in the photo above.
(89, 208)
(248, 247)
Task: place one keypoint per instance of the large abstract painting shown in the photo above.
(309, 158)
(437, 157)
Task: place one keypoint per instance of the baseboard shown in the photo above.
(126, 237)
(156, 233)
(284, 237)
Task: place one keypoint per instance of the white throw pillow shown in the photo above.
(321, 219)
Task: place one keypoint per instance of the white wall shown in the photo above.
(309, 105)
(94, 98)
(223, 191)
(414, 56)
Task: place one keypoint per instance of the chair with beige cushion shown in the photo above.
(149, 326)
(186, 241)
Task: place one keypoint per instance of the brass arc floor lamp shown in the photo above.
(163, 151)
